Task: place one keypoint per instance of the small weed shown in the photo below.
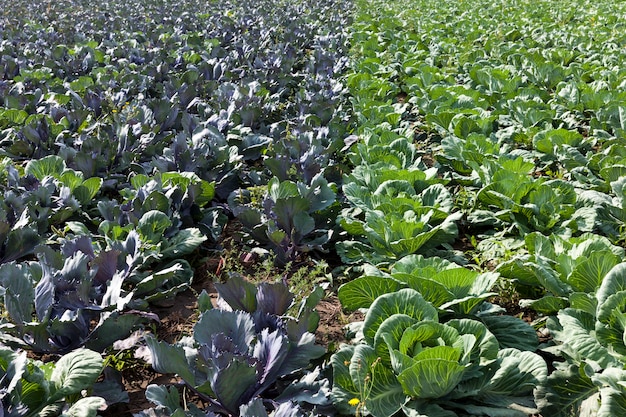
(304, 279)
(507, 292)
(123, 360)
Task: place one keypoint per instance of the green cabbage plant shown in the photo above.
(567, 272)
(410, 361)
(456, 292)
(395, 220)
(591, 338)
(31, 388)
(448, 286)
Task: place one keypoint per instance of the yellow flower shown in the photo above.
(354, 402)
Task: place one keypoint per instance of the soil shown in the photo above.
(331, 330)
(463, 244)
(176, 320)
(428, 160)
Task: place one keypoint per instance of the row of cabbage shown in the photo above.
(130, 133)
(504, 121)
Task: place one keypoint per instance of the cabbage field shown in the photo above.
(448, 176)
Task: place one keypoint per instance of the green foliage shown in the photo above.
(445, 285)
(569, 270)
(591, 340)
(411, 361)
(528, 204)
(396, 221)
(530, 125)
(32, 388)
